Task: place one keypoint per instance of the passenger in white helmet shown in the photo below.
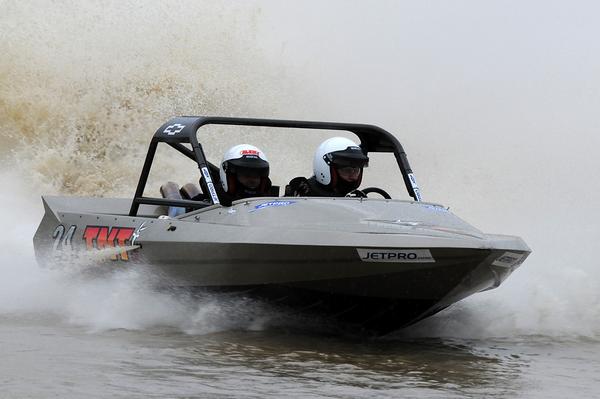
(244, 173)
(338, 168)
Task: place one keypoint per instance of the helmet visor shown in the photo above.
(254, 165)
(349, 157)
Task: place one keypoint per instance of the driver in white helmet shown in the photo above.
(244, 173)
(338, 168)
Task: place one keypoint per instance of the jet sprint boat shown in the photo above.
(378, 263)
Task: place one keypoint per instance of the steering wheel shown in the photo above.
(356, 194)
(377, 190)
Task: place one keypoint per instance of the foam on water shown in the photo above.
(78, 103)
(123, 299)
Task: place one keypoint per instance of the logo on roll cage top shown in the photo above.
(172, 130)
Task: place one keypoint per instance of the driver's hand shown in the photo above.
(303, 189)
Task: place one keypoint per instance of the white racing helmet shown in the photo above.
(242, 156)
(337, 152)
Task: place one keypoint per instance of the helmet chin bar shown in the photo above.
(340, 184)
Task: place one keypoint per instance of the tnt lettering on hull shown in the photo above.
(395, 255)
(101, 237)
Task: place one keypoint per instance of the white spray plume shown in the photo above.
(505, 135)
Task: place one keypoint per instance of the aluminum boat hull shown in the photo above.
(381, 264)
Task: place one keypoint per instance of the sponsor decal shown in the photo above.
(395, 255)
(249, 152)
(435, 208)
(210, 185)
(272, 204)
(100, 237)
(213, 193)
(137, 232)
(415, 186)
(172, 130)
(508, 259)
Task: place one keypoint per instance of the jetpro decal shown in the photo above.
(395, 255)
(271, 204)
(508, 259)
(100, 237)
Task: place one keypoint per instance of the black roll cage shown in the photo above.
(182, 130)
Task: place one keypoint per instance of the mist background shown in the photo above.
(495, 103)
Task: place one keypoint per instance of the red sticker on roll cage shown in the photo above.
(101, 237)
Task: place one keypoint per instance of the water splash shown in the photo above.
(78, 104)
